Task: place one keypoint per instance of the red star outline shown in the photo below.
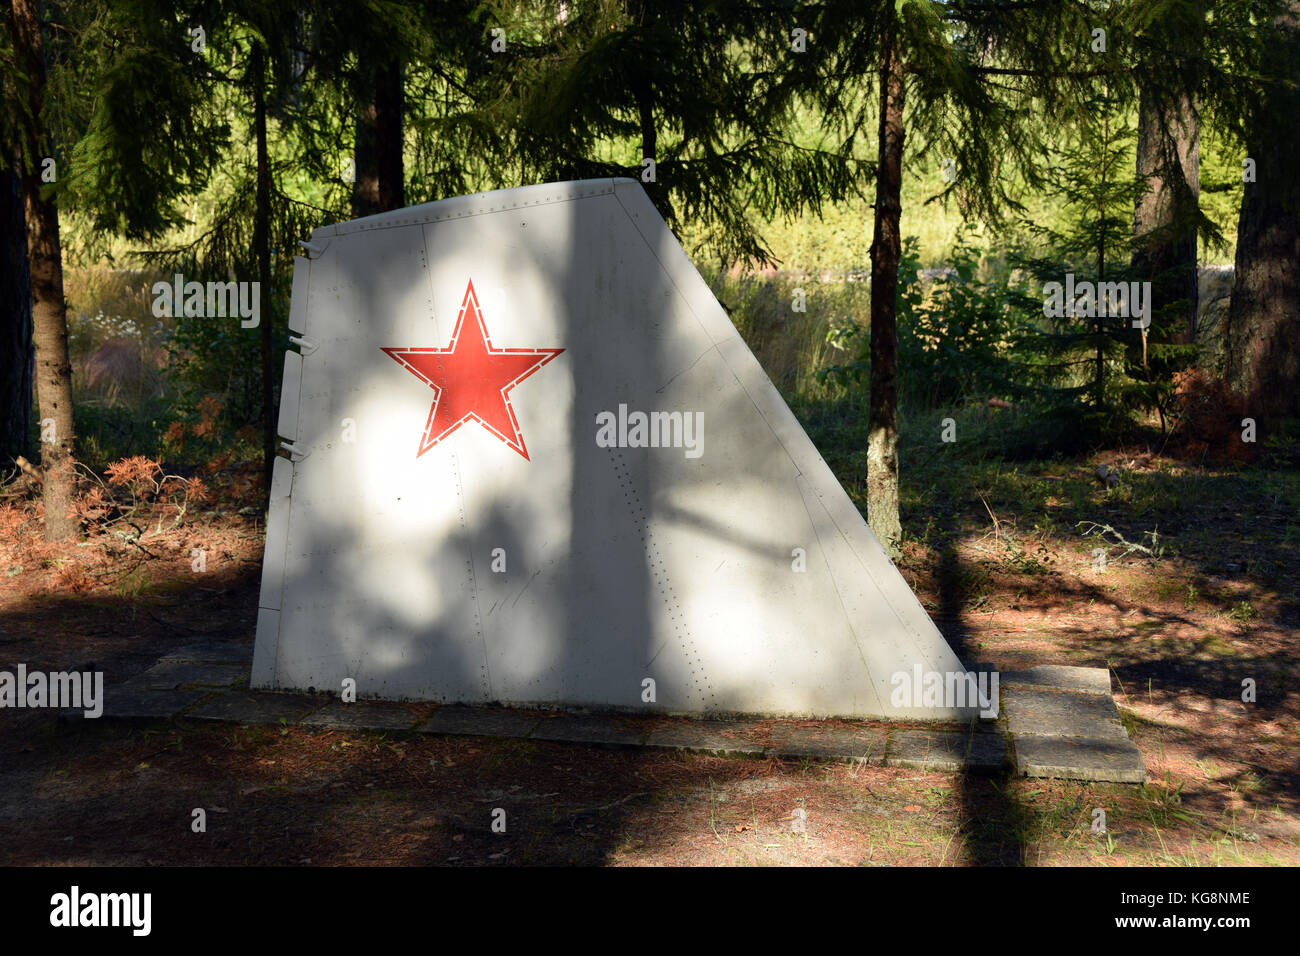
(472, 379)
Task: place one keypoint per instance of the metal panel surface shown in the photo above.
(477, 513)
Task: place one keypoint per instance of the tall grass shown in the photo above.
(791, 345)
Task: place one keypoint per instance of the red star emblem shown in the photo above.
(472, 379)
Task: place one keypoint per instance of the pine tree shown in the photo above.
(355, 59)
(985, 83)
(1262, 329)
(45, 259)
(249, 64)
(395, 81)
(1084, 352)
(957, 80)
(113, 128)
(1166, 217)
(15, 283)
(693, 94)
(15, 315)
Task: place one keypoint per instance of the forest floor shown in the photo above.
(1006, 573)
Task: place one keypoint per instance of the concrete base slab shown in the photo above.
(136, 700)
(167, 675)
(1079, 758)
(708, 736)
(211, 652)
(1087, 680)
(946, 751)
(608, 731)
(257, 707)
(479, 722)
(1061, 713)
(361, 716)
(865, 745)
(1062, 721)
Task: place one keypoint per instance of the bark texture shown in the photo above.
(886, 248)
(1262, 336)
(1164, 220)
(15, 320)
(49, 311)
(378, 150)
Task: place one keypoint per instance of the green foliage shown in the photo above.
(451, 147)
(790, 345)
(107, 433)
(1282, 447)
(957, 329)
(1243, 612)
(213, 357)
(744, 130)
(150, 137)
(700, 88)
(955, 337)
(1092, 372)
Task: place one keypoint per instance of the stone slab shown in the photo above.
(134, 700)
(1079, 758)
(708, 736)
(361, 716)
(1061, 713)
(211, 652)
(947, 751)
(863, 745)
(480, 722)
(168, 675)
(1088, 680)
(607, 731)
(257, 707)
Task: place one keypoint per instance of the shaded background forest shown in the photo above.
(955, 157)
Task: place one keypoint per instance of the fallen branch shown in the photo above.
(608, 806)
(1098, 529)
(134, 539)
(30, 470)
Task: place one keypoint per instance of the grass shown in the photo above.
(1243, 612)
(107, 433)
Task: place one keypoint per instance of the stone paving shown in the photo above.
(866, 745)
(1065, 724)
(1054, 721)
(953, 753)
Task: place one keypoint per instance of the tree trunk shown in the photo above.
(15, 320)
(49, 311)
(1262, 335)
(1099, 382)
(1164, 218)
(262, 251)
(378, 149)
(886, 248)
